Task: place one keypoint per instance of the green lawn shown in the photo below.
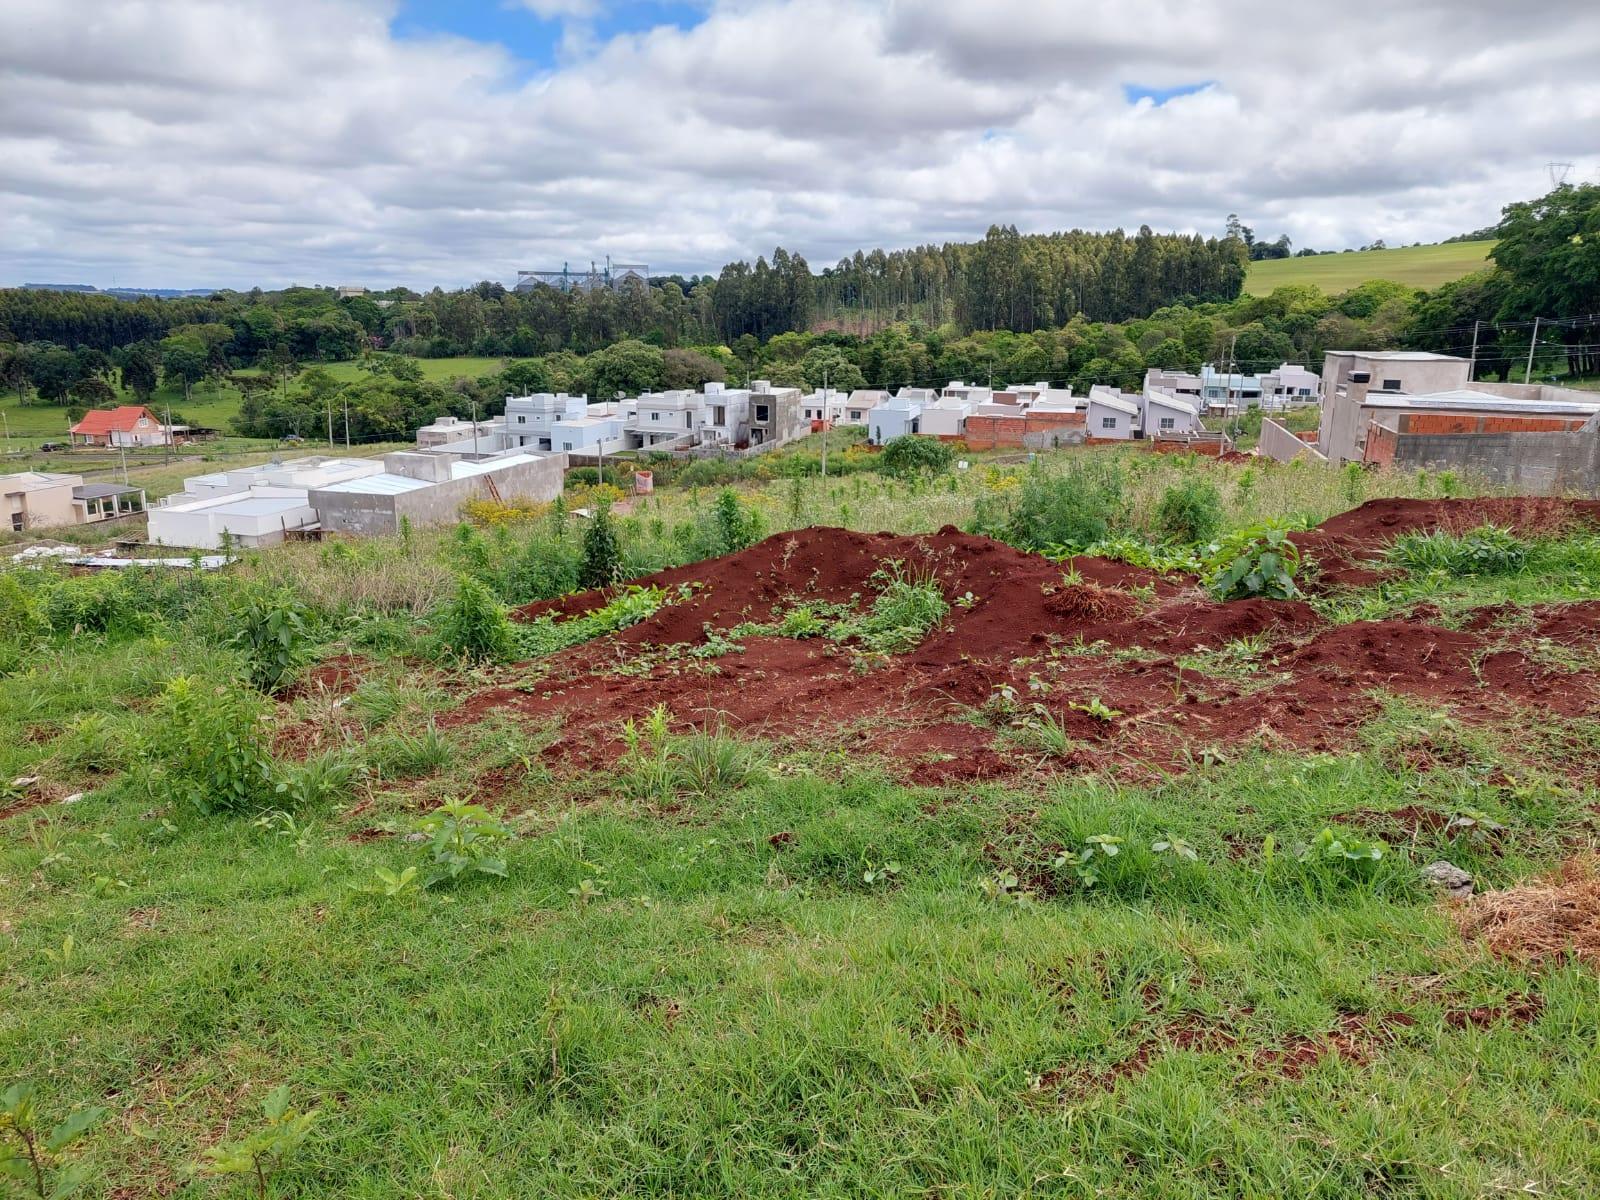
(1418, 266)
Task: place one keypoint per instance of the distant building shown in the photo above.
(429, 489)
(529, 418)
(775, 414)
(1110, 414)
(897, 416)
(1168, 412)
(726, 415)
(38, 499)
(127, 425)
(251, 506)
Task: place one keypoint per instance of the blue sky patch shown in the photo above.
(531, 39)
(1135, 92)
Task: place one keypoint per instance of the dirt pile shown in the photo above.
(1345, 547)
(1086, 664)
(1550, 918)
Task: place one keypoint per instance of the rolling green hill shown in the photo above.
(1419, 266)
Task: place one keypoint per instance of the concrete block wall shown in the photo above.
(374, 515)
(1544, 463)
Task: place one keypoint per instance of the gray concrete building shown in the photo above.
(429, 489)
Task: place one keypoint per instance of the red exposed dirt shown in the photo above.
(1020, 639)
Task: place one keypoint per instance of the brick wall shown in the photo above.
(992, 433)
(1454, 423)
(1381, 442)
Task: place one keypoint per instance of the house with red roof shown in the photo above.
(126, 425)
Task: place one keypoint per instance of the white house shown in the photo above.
(664, 417)
(897, 416)
(255, 505)
(1290, 385)
(859, 404)
(947, 416)
(260, 515)
(1168, 412)
(1111, 414)
(453, 430)
(529, 418)
(599, 431)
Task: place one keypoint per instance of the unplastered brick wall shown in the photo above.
(1451, 423)
(990, 433)
(1380, 447)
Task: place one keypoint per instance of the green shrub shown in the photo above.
(84, 603)
(548, 634)
(209, 748)
(1258, 561)
(1190, 512)
(271, 631)
(657, 764)
(473, 624)
(22, 625)
(736, 524)
(579, 476)
(1069, 507)
(915, 455)
(602, 555)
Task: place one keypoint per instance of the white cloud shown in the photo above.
(203, 142)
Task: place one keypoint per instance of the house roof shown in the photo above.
(28, 481)
(99, 491)
(1399, 355)
(1117, 403)
(122, 419)
(1168, 400)
(1470, 400)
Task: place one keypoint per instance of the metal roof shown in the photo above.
(1469, 400)
(99, 491)
(1116, 403)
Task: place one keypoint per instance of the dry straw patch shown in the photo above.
(1551, 918)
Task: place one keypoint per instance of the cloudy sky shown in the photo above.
(236, 142)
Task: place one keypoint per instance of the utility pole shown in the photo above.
(347, 424)
(1532, 342)
(7, 422)
(124, 450)
(169, 433)
(1472, 363)
(474, 429)
(825, 422)
(329, 407)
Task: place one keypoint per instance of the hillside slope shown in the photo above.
(1419, 266)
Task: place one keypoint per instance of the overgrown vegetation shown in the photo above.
(738, 963)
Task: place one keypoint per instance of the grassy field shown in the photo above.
(795, 975)
(1418, 266)
(213, 405)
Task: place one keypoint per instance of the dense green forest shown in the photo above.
(1075, 308)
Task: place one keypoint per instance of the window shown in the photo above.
(566, 445)
(719, 415)
(688, 420)
(655, 416)
(521, 420)
(763, 413)
(1169, 422)
(1391, 385)
(1108, 422)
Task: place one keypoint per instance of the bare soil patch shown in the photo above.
(1110, 639)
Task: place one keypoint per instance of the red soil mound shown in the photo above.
(1024, 644)
(1342, 545)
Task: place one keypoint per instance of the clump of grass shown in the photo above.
(1486, 550)
(399, 754)
(907, 608)
(658, 764)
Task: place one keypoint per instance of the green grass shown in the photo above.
(698, 978)
(1418, 266)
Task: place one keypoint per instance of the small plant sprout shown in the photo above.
(965, 600)
(1473, 826)
(1098, 709)
(1003, 887)
(591, 887)
(388, 883)
(1176, 847)
(462, 841)
(886, 873)
(1086, 864)
(34, 1157)
(62, 958)
(262, 1154)
(102, 887)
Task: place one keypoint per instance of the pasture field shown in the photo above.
(1417, 266)
(836, 851)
